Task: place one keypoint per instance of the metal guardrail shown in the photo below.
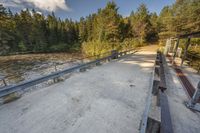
(152, 123)
(23, 85)
(55, 65)
(166, 122)
(144, 122)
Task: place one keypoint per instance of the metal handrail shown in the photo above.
(58, 64)
(194, 55)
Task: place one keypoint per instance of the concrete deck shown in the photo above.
(184, 120)
(107, 99)
(191, 73)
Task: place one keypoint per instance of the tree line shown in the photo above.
(99, 32)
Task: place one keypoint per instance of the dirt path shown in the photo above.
(149, 48)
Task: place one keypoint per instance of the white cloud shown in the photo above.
(47, 5)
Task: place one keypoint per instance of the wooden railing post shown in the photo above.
(185, 51)
(175, 51)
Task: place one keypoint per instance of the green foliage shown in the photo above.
(195, 46)
(22, 47)
(75, 47)
(94, 48)
(32, 31)
(111, 31)
(99, 32)
(7, 26)
(142, 27)
(130, 44)
(108, 23)
(180, 18)
(59, 47)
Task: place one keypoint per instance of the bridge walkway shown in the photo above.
(110, 98)
(184, 120)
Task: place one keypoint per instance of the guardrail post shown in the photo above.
(2, 78)
(109, 59)
(193, 103)
(98, 63)
(196, 95)
(4, 82)
(10, 97)
(156, 81)
(114, 54)
(55, 67)
(82, 69)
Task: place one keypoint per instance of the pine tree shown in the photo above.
(7, 26)
(109, 22)
(39, 32)
(83, 30)
(141, 25)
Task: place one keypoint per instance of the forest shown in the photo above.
(29, 31)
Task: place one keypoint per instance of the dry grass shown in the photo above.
(45, 56)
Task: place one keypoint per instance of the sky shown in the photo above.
(75, 9)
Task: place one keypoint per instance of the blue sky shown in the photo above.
(76, 8)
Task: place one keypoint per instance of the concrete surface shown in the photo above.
(105, 99)
(191, 73)
(184, 120)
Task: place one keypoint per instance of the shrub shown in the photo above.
(21, 46)
(130, 44)
(94, 48)
(61, 47)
